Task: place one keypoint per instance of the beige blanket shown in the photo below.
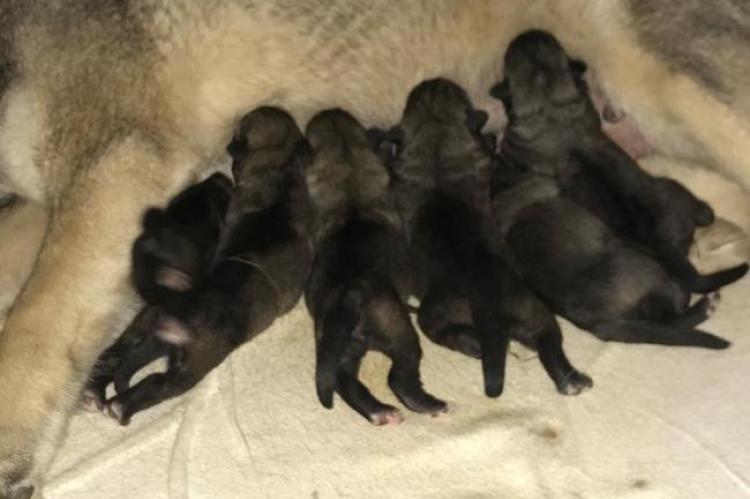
(659, 423)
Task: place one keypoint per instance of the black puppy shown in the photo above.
(174, 250)
(471, 301)
(555, 130)
(360, 277)
(178, 242)
(258, 272)
(590, 276)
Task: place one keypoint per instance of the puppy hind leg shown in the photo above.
(657, 334)
(697, 313)
(151, 391)
(568, 380)
(446, 320)
(404, 377)
(359, 398)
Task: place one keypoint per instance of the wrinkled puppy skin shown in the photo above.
(554, 129)
(361, 274)
(256, 275)
(471, 301)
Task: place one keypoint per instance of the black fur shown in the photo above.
(471, 301)
(360, 277)
(555, 130)
(258, 271)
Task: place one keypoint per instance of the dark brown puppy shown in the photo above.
(471, 301)
(554, 129)
(171, 255)
(258, 272)
(590, 276)
(361, 274)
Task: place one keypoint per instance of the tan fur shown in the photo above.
(119, 108)
(22, 227)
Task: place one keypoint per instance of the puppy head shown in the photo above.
(265, 138)
(538, 73)
(440, 102)
(345, 171)
(334, 128)
(165, 260)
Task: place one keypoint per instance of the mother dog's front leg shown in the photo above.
(76, 300)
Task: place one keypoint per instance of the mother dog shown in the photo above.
(109, 106)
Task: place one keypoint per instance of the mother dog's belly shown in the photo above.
(364, 58)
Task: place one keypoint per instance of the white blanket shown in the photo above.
(659, 423)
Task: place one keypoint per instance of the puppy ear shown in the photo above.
(577, 67)
(237, 148)
(375, 137)
(501, 91)
(476, 119)
(154, 219)
(389, 145)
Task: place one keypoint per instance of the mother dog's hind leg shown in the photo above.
(75, 301)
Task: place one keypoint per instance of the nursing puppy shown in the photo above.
(171, 255)
(554, 130)
(361, 276)
(257, 274)
(589, 275)
(471, 301)
(108, 107)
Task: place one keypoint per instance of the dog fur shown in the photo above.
(109, 107)
(226, 295)
(471, 300)
(554, 130)
(361, 276)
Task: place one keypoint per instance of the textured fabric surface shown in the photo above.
(659, 423)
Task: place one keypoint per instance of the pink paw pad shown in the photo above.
(386, 417)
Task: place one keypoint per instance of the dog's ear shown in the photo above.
(375, 136)
(577, 67)
(476, 119)
(237, 148)
(153, 220)
(501, 91)
(386, 144)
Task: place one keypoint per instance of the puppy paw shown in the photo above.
(575, 383)
(173, 279)
(91, 401)
(115, 410)
(390, 416)
(713, 303)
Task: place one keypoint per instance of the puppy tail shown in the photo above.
(712, 282)
(338, 324)
(658, 334)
